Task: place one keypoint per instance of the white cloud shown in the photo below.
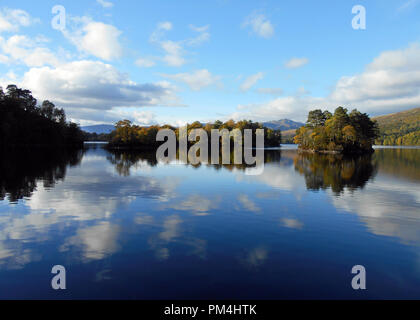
(96, 242)
(390, 83)
(260, 25)
(85, 87)
(196, 205)
(96, 38)
(12, 19)
(251, 81)
(166, 25)
(4, 59)
(196, 80)
(248, 204)
(145, 63)
(203, 35)
(175, 50)
(290, 107)
(296, 63)
(291, 223)
(160, 30)
(143, 118)
(387, 207)
(105, 4)
(21, 49)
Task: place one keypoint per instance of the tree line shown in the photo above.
(25, 123)
(126, 134)
(341, 132)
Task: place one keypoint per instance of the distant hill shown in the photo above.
(288, 135)
(100, 128)
(287, 127)
(283, 125)
(401, 128)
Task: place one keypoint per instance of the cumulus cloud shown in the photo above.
(260, 25)
(95, 38)
(251, 81)
(144, 118)
(387, 207)
(85, 87)
(390, 83)
(195, 80)
(295, 63)
(12, 19)
(96, 242)
(22, 49)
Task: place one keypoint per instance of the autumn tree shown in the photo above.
(338, 132)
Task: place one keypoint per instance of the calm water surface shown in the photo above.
(127, 227)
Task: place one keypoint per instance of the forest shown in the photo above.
(25, 123)
(129, 135)
(341, 132)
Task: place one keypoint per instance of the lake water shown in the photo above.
(126, 227)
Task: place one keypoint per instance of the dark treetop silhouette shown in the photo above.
(24, 123)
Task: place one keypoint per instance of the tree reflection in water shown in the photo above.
(335, 171)
(124, 160)
(22, 169)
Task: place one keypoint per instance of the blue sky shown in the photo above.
(180, 61)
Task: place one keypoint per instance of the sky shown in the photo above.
(175, 62)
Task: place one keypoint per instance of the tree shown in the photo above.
(123, 131)
(47, 109)
(315, 119)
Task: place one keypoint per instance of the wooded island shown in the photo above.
(341, 132)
